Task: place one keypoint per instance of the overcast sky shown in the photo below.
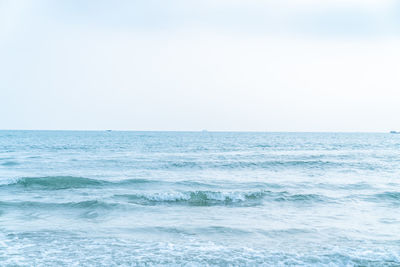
(242, 65)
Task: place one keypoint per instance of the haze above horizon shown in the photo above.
(278, 66)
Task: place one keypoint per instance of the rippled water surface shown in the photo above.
(199, 198)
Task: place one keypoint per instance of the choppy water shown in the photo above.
(196, 199)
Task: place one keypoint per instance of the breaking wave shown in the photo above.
(210, 198)
(67, 182)
(55, 182)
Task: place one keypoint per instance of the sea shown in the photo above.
(126, 198)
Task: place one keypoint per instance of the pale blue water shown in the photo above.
(196, 199)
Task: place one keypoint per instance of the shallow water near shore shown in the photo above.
(100, 198)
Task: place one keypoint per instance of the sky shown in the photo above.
(188, 65)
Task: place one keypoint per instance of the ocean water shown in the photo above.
(75, 198)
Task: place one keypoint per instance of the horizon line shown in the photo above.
(203, 130)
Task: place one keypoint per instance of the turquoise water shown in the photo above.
(70, 198)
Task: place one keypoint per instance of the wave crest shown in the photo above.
(69, 182)
(210, 198)
(56, 182)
